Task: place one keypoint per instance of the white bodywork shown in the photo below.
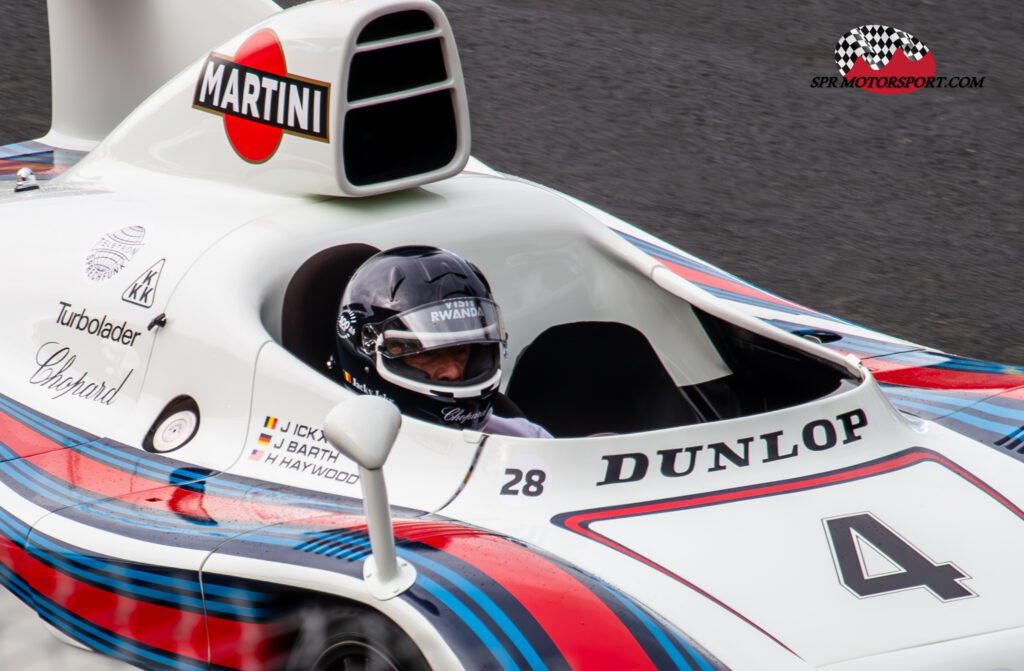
(753, 579)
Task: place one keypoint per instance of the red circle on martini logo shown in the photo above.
(254, 141)
(260, 100)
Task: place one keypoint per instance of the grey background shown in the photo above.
(698, 123)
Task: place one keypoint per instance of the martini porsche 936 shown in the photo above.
(188, 480)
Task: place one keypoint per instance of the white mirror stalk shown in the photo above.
(385, 574)
(364, 429)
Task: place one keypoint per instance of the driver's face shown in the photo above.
(447, 364)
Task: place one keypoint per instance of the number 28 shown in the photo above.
(533, 482)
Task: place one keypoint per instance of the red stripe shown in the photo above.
(934, 378)
(602, 639)
(580, 523)
(585, 630)
(81, 470)
(553, 596)
(239, 645)
(893, 372)
(161, 627)
(584, 520)
(23, 440)
(732, 286)
(249, 646)
(105, 481)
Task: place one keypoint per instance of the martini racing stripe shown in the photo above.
(158, 470)
(460, 598)
(680, 653)
(176, 630)
(861, 346)
(667, 649)
(175, 588)
(468, 628)
(501, 617)
(22, 434)
(612, 637)
(46, 161)
(469, 594)
(98, 638)
(948, 373)
(929, 403)
(979, 399)
(917, 367)
(718, 282)
(92, 615)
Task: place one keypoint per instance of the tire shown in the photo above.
(353, 638)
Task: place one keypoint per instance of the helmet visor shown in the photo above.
(444, 323)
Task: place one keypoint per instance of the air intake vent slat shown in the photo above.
(400, 138)
(393, 25)
(397, 68)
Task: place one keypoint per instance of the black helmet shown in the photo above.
(411, 300)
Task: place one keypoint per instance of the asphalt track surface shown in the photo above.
(698, 123)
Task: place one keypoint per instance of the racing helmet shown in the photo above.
(414, 300)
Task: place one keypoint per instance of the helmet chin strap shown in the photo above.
(428, 389)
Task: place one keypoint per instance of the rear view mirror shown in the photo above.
(364, 429)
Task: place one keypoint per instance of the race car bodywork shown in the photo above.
(735, 482)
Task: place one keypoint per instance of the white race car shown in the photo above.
(735, 481)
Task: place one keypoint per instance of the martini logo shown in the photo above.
(260, 100)
(871, 55)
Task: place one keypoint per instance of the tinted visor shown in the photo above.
(456, 321)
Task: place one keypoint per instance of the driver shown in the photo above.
(418, 326)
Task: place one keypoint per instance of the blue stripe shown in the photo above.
(701, 266)
(750, 300)
(19, 529)
(145, 462)
(860, 345)
(923, 406)
(920, 398)
(95, 637)
(995, 410)
(42, 425)
(118, 577)
(949, 403)
(68, 436)
(996, 427)
(102, 571)
(18, 149)
(681, 259)
(108, 643)
(485, 635)
(13, 582)
(486, 604)
(57, 559)
(663, 640)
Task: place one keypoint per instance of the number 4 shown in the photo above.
(906, 568)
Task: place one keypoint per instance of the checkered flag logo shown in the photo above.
(876, 44)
